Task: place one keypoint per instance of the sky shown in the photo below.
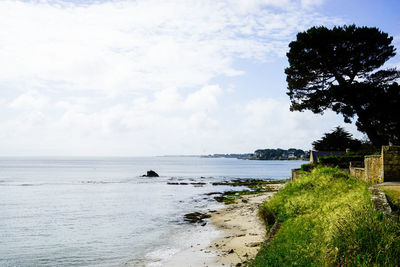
(162, 77)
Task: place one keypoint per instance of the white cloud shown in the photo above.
(204, 99)
(167, 100)
(270, 122)
(309, 3)
(140, 45)
(29, 100)
(133, 130)
(141, 77)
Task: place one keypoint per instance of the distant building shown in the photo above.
(315, 155)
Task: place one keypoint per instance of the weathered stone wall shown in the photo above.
(357, 172)
(391, 163)
(373, 169)
(380, 168)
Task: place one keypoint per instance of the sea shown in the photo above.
(68, 211)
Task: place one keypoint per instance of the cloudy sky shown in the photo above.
(156, 77)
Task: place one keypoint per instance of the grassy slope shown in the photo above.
(327, 219)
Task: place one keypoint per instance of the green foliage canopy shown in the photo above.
(337, 140)
(338, 69)
(275, 154)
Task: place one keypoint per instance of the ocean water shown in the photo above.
(101, 212)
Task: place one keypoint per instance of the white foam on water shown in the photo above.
(187, 248)
(158, 256)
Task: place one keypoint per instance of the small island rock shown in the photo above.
(151, 173)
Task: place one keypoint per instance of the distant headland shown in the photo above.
(267, 154)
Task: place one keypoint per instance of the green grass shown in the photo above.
(327, 219)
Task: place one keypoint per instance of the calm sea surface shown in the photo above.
(99, 211)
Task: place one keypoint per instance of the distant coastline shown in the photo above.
(259, 154)
(267, 154)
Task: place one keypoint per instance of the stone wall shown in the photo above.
(357, 172)
(373, 169)
(391, 163)
(380, 168)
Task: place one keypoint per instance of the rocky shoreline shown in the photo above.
(239, 231)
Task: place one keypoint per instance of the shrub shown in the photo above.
(342, 161)
(308, 167)
(267, 215)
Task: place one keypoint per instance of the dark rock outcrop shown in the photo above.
(196, 217)
(151, 173)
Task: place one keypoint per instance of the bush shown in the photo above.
(342, 161)
(267, 215)
(308, 167)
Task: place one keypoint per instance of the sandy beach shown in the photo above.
(233, 235)
(244, 231)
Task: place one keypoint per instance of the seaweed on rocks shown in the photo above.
(196, 217)
(229, 197)
(251, 183)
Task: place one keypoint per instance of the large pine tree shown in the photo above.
(340, 69)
